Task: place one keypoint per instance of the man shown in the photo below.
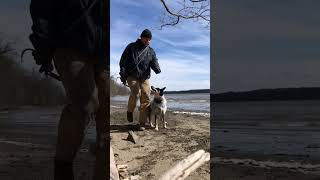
(74, 34)
(135, 64)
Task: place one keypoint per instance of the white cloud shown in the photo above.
(195, 41)
(177, 74)
(128, 3)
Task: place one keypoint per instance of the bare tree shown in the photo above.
(5, 47)
(197, 10)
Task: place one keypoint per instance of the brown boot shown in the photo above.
(129, 116)
(141, 127)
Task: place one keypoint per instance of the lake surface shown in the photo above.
(287, 130)
(193, 102)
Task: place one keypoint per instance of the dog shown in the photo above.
(158, 107)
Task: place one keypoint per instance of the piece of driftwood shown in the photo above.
(114, 174)
(183, 168)
(136, 177)
(122, 167)
(123, 171)
(133, 137)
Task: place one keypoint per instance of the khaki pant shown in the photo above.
(87, 90)
(139, 88)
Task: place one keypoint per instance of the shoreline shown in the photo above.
(173, 110)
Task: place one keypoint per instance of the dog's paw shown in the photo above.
(165, 125)
(157, 129)
(151, 125)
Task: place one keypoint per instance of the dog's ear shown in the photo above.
(164, 88)
(153, 88)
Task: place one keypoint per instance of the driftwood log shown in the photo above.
(178, 172)
(133, 137)
(114, 174)
(183, 168)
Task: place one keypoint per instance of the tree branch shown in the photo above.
(191, 9)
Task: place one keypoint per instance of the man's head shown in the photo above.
(146, 37)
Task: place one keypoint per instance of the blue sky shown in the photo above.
(15, 23)
(266, 44)
(260, 43)
(183, 51)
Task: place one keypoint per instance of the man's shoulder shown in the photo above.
(131, 44)
(152, 50)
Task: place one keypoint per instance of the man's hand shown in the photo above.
(123, 77)
(44, 59)
(123, 80)
(48, 67)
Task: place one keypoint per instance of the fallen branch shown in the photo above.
(183, 168)
(114, 174)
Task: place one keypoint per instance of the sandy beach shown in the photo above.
(27, 139)
(158, 151)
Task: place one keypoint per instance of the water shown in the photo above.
(180, 102)
(270, 128)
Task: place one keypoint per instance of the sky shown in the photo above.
(183, 51)
(15, 23)
(266, 44)
(259, 43)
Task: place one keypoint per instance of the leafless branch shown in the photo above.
(190, 9)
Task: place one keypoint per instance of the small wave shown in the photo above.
(301, 167)
(4, 112)
(291, 124)
(192, 113)
(19, 143)
(199, 101)
(116, 107)
(297, 124)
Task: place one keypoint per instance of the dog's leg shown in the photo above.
(164, 121)
(150, 120)
(156, 122)
(151, 124)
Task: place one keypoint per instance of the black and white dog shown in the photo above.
(158, 107)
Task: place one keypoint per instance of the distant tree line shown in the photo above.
(303, 93)
(189, 91)
(117, 89)
(19, 87)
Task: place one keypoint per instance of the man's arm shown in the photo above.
(123, 65)
(154, 63)
(42, 14)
